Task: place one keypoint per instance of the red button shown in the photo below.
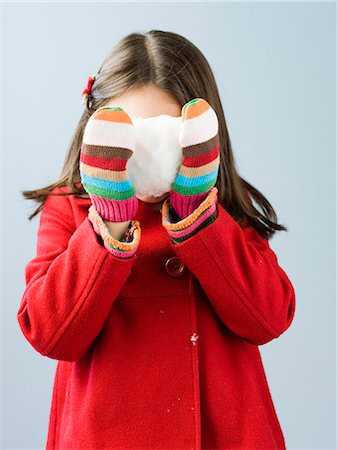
(174, 267)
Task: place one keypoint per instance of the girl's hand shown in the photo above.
(108, 143)
(199, 139)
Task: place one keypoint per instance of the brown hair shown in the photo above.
(174, 64)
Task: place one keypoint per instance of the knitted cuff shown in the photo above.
(201, 217)
(115, 210)
(124, 248)
(184, 205)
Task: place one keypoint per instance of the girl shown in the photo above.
(155, 307)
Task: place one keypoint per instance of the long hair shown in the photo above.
(175, 65)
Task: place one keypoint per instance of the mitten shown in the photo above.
(199, 139)
(108, 143)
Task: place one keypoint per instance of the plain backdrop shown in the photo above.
(275, 65)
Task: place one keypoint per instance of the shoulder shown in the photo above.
(66, 192)
(58, 207)
(73, 208)
(57, 199)
(64, 189)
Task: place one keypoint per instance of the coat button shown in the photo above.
(174, 267)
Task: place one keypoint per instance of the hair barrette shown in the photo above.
(87, 90)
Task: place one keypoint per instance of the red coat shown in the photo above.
(158, 351)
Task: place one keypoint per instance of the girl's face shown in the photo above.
(147, 101)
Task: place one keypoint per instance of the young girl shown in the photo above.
(155, 307)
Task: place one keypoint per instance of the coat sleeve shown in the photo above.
(237, 269)
(71, 283)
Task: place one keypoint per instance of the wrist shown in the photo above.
(117, 229)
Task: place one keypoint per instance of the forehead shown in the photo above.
(147, 101)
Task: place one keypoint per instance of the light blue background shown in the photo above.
(275, 67)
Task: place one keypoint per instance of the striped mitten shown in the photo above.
(108, 143)
(199, 139)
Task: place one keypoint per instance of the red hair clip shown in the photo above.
(87, 90)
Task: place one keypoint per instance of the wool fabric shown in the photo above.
(178, 230)
(199, 139)
(147, 360)
(123, 248)
(108, 143)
